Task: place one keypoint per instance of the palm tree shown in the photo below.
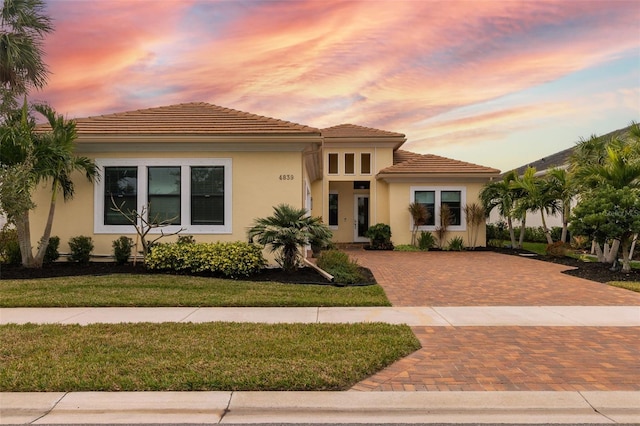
(40, 156)
(535, 195)
(288, 231)
(562, 186)
(500, 195)
(23, 26)
(56, 162)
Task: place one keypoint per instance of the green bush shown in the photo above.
(9, 247)
(52, 254)
(456, 244)
(81, 248)
(343, 269)
(380, 236)
(426, 240)
(186, 239)
(227, 259)
(122, 249)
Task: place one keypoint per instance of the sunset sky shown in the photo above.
(498, 83)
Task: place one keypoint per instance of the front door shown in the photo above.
(361, 215)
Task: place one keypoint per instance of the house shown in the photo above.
(213, 170)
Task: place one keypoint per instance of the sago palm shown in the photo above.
(287, 232)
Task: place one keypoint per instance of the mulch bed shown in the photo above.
(592, 271)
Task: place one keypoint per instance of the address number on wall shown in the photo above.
(286, 177)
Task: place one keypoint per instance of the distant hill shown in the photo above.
(562, 157)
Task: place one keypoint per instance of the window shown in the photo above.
(349, 164)
(433, 198)
(121, 189)
(194, 193)
(333, 209)
(452, 200)
(333, 163)
(428, 200)
(164, 194)
(207, 195)
(365, 163)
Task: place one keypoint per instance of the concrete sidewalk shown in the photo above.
(588, 316)
(319, 407)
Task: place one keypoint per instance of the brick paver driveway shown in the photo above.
(502, 358)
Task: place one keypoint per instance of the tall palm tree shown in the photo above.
(56, 162)
(23, 26)
(288, 231)
(500, 195)
(536, 195)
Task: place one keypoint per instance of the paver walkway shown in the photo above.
(513, 358)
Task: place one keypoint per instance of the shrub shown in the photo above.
(186, 239)
(581, 242)
(122, 249)
(380, 236)
(81, 248)
(426, 240)
(227, 259)
(343, 269)
(456, 244)
(52, 254)
(557, 249)
(9, 247)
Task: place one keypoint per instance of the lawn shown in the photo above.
(171, 290)
(192, 357)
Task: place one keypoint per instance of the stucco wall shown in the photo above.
(260, 180)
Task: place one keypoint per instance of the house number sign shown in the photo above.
(286, 177)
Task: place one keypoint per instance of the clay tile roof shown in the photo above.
(189, 118)
(353, 131)
(406, 162)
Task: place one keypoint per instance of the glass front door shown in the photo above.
(361, 221)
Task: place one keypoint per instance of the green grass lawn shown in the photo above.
(629, 285)
(171, 290)
(192, 357)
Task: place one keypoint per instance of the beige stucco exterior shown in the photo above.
(271, 163)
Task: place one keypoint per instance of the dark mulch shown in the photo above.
(68, 269)
(594, 271)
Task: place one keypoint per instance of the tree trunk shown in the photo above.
(633, 246)
(511, 232)
(546, 230)
(626, 260)
(598, 251)
(24, 239)
(523, 228)
(44, 241)
(566, 212)
(613, 253)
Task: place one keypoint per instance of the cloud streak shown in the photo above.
(407, 66)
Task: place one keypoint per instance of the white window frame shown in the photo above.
(438, 203)
(185, 165)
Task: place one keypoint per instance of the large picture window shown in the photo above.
(194, 194)
(433, 198)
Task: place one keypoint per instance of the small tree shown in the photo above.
(287, 232)
(420, 215)
(446, 219)
(144, 225)
(475, 216)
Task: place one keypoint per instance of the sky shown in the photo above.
(496, 83)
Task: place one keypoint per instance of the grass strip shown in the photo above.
(629, 285)
(171, 290)
(196, 357)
